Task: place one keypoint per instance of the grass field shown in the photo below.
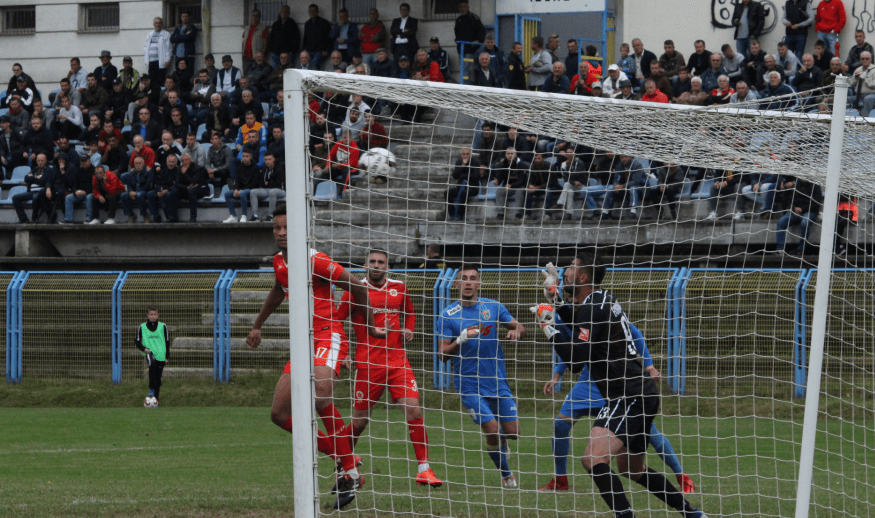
(124, 460)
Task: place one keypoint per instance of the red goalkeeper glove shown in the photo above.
(551, 283)
(546, 318)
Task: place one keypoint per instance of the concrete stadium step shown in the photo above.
(380, 194)
(354, 250)
(426, 153)
(252, 295)
(441, 134)
(237, 344)
(345, 215)
(373, 233)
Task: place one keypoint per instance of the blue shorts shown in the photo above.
(583, 400)
(484, 409)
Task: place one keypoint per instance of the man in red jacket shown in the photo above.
(829, 22)
(106, 189)
(651, 94)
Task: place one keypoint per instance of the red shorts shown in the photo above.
(332, 348)
(370, 384)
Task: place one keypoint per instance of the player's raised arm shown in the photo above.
(274, 299)
(359, 292)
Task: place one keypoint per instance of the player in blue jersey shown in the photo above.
(584, 399)
(468, 335)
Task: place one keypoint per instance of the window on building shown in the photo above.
(270, 11)
(441, 9)
(173, 10)
(98, 17)
(18, 20)
(358, 9)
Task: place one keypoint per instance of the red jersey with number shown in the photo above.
(393, 310)
(325, 271)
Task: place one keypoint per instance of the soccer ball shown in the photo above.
(150, 402)
(378, 163)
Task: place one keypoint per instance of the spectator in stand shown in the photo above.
(572, 59)
(657, 73)
(540, 64)
(439, 56)
(497, 61)
(345, 35)
(251, 124)
(248, 178)
(611, 84)
(271, 186)
(806, 202)
(822, 56)
(40, 174)
(115, 158)
(510, 175)
(761, 189)
(642, 58)
(515, 75)
(140, 149)
(667, 188)
(683, 84)
(798, 16)
(106, 72)
(627, 63)
(91, 147)
(709, 76)
(572, 171)
(168, 147)
(524, 144)
(626, 93)
(129, 76)
(228, 77)
(79, 188)
(581, 83)
(652, 94)
(742, 94)
(853, 60)
(56, 188)
(403, 33)
(672, 60)
(696, 96)
(700, 60)
(285, 37)
(788, 61)
(552, 46)
(317, 39)
(274, 82)
(11, 148)
(755, 59)
(538, 183)
(183, 40)
(197, 153)
(147, 128)
(483, 74)
(192, 185)
(276, 146)
(140, 181)
(17, 72)
(38, 139)
(489, 149)
(373, 134)
(77, 76)
(749, 19)
(156, 52)
(276, 113)
(254, 39)
(210, 66)
(829, 22)
(342, 160)
(468, 28)
(335, 63)
(165, 182)
(863, 84)
(199, 98)
(169, 107)
(558, 82)
(144, 96)
(828, 85)
(722, 94)
(733, 64)
(106, 189)
(357, 60)
(426, 69)
(725, 186)
(18, 117)
(466, 173)
(66, 90)
(808, 78)
(22, 94)
(94, 99)
(769, 65)
(628, 181)
(182, 77)
(118, 100)
(219, 160)
(247, 104)
(68, 122)
(353, 123)
(373, 36)
(776, 88)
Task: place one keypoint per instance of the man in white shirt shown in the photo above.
(156, 51)
(611, 84)
(227, 77)
(403, 32)
(77, 76)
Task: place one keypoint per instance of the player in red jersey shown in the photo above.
(381, 363)
(331, 351)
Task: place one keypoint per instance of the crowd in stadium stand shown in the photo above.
(122, 117)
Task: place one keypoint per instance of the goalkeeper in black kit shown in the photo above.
(601, 338)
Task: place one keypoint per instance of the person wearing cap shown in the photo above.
(611, 84)
(156, 51)
(118, 100)
(403, 32)
(373, 36)
(129, 76)
(11, 147)
(183, 39)
(345, 35)
(24, 95)
(468, 28)
(17, 72)
(383, 66)
(254, 39)
(317, 37)
(228, 77)
(210, 66)
(597, 90)
(440, 56)
(285, 37)
(79, 187)
(625, 93)
(106, 72)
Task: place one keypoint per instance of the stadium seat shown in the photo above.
(489, 194)
(212, 192)
(126, 128)
(4, 111)
(206, 147)
(18, 175)
(326, 191)
(264, 108)
(80, 148)
(704, 190)
(221, 197)
(200, 131)
(18, 189)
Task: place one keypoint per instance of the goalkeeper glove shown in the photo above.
(551, 283)
(544, 312)
(463, 336)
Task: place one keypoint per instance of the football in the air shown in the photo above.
(150, 402)
(378, 163)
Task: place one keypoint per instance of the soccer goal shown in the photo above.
(754, 294)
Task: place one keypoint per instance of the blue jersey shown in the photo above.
(479, 365)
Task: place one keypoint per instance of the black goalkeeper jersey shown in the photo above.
(601, 339)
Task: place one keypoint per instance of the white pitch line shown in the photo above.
(138, 448)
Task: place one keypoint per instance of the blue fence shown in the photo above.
(673, 304)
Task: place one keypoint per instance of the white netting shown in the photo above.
(692, 262)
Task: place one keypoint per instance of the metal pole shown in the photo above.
(821, 296)
(301, 343)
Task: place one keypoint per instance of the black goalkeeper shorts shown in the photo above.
(630, 419)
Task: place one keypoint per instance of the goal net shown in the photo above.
(710, 223)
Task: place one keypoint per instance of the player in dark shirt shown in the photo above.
(602, 340)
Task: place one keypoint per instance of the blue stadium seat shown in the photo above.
(489, 194)
(264, 108)
(326, 191)
(126, 128)
(18, 189)
(4, 111)
(221, 197)
(212, 192)
(704, 190)
(206, 148)
(18, 175)
(200, 131)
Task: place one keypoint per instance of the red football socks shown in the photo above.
(419, 438)
(335, 429)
